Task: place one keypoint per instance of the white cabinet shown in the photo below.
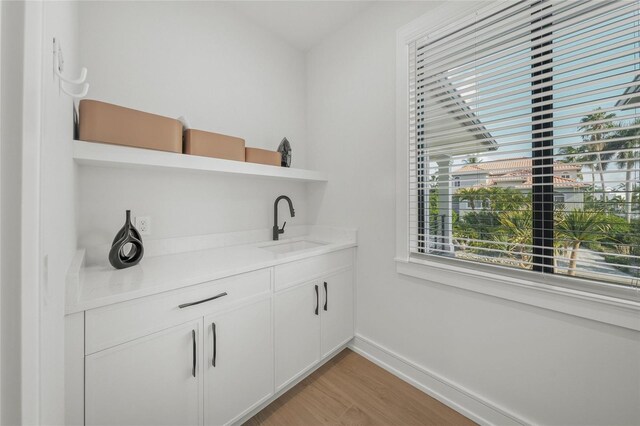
(112, 325)
(137, 375)
(212, 353)
(337, 311)
(238, 362)
(312, 319)
(153, 380)
(297, 331)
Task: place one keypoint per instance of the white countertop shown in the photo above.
(90, 287)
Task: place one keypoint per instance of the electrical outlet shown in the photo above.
(143, 225)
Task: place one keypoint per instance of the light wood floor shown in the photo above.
(351, 390)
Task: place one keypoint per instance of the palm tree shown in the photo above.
(516, 227)
(635, 199)
(472, 196)
(627, 159)
(506, 199)
(598, 122)
(575, 156)
(472, 160)
(580, 226)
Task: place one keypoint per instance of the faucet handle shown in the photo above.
(283, 225)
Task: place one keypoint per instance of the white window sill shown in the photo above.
(605, 309)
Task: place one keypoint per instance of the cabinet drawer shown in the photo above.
(111, 325)
(290, 274)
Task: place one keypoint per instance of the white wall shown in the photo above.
(12, 36)
(204, 61)
(180, 204)
(58, 200)
(543, 366)
(197, 59)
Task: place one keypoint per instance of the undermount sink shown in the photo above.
(291, 246)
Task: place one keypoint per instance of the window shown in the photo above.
(537, 106)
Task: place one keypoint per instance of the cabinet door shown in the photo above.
(337, 310)
(153, 380)
(297, 331)
(238, 362)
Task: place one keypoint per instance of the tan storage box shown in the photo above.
(108, 123)
(263, 156)
(207, 144)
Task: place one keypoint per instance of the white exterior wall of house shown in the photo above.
(470, 179)
(570, 174)
(573, 196)
(466, 180)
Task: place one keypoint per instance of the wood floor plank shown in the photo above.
(385, 401)
(356, 416)
(351, 390)
(398, 393)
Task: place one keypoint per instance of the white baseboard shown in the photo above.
(463, 401)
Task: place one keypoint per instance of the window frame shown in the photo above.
(584, 298)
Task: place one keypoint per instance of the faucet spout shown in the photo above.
(276, 229)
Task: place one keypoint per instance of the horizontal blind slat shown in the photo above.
(544, 97)
(428, 77)
(450, 53)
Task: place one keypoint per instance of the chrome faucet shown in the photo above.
(276, 230)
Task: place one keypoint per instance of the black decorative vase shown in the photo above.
(127, 249)
(285, 151)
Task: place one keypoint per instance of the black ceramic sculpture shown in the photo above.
(127, 249)
(285, 151)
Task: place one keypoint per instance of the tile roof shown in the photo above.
(521, 166)
(558, 182)
(519, 172)
(527, 182)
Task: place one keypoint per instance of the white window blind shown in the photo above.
(524, 140)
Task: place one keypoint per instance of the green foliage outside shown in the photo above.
(504, 230)
(498, 223)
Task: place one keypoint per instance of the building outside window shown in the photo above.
(534, 114)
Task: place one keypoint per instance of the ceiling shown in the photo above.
(303, 24)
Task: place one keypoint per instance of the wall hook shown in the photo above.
(58, 68)
(82, 94)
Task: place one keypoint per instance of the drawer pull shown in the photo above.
(215, 344)
(326, 296)
(317, 299)
(186, 305)
(193, 338)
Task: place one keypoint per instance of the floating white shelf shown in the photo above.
(99, 154)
